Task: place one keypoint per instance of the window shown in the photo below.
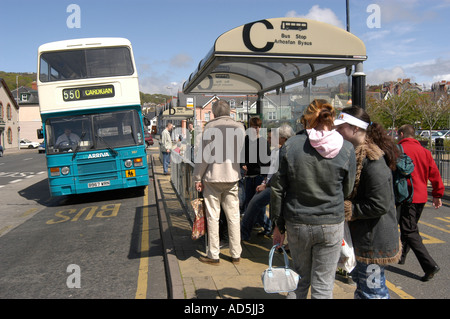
(1, 110)
(10, 136)
(272, 115)
(8, 112)
(83, 64)
(24, 97)
(93, 131)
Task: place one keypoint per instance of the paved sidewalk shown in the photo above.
(191, 279)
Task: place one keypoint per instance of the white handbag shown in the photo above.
(279, 279)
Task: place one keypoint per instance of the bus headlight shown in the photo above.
(128, 163)
(65, 170)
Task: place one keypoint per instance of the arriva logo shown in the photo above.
(98, 155)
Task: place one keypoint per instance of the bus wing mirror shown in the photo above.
(40, 133)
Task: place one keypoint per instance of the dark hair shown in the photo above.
(255, 121)
(377, 134)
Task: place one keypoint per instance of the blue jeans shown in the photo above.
(250, 188)
(166, 161)
(370, 281)
(255, 212)
(315, 251)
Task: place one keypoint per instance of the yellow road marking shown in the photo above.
(29, 212)
(141, 291)
(398, 291)
(430, 225)
(4, 229)
(427, 239)
(444, 219)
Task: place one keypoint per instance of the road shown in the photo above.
(103, 245)
(404, 280)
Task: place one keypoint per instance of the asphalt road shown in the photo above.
(103, 245)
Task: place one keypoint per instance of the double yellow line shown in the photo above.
(141, 291)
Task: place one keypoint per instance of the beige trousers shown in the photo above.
(225, 195)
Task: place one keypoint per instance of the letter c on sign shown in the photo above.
(248, 42)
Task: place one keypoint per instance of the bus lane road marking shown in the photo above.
(433, 226)
(74, 214)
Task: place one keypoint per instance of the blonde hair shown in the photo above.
(318, 112)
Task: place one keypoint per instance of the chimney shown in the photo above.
(34, 85)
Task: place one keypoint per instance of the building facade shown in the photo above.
(9, 118)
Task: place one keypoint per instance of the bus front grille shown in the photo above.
(93, 171)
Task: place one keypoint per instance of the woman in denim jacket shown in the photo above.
(371, 206)
(316, 172)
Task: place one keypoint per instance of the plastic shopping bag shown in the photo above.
(347, 260)
(198, 227)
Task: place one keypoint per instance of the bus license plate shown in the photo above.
(99, 184)
(130, 173)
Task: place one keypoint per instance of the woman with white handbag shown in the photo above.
(317, 171)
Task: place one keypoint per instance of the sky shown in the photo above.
(403, 38)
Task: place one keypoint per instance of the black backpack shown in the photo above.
(401, 175)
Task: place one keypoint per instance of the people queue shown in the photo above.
(335, 171)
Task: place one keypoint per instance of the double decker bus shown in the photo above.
(91, 116)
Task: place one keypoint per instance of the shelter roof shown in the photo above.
(271, 54)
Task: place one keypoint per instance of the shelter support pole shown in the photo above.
(359, 86)
(259, 104)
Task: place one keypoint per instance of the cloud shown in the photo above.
(181, 60)
(316, 13)
(161, 84)
(158, 76)
(380, 76)
(422, 72)
(430, 68)
(442, 77)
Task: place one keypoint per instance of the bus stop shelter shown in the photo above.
(272, 54)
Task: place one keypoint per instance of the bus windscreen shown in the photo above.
(92, 132)
(85, 64)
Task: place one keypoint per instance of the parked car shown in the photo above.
(446, 133)
(41, 148)
(24, 143)
(440, 134)
(148, 139)
(1, 151)
(426, 133)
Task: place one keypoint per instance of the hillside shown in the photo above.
(25, 79)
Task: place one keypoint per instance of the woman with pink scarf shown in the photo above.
(316, 172)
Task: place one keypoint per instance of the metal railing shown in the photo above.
(181, 171)
(441, 156)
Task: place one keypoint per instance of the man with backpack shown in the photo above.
(425, 169)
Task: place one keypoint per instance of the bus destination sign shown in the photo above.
(88, 93)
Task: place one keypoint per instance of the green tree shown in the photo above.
(432, 109)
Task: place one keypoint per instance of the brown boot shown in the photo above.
(208, 260)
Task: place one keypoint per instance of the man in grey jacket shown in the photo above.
(216, 174)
